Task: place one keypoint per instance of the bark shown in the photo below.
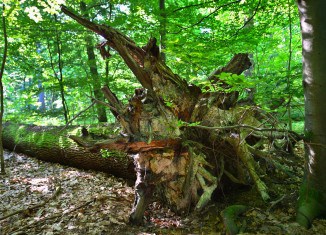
(52, 145)
(194, 159)
(312, 200)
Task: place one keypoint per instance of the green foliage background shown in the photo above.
(200, 37)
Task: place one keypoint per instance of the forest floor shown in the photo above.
(54, 199)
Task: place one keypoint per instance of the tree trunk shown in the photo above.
(59, 75)
(101, 112)
(68, 147)
(163, 20)
(2, 69)
(312, 200)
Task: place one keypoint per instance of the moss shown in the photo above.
(298, 127)
(311, 204)
(40, 136)
(103, 130)
(230, 215)
(112, 153)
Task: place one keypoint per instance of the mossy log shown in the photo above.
(53, 145)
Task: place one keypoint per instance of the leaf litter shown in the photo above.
(48, 198)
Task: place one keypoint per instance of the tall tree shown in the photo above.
(101, 113)
(59, 75)
(38, 74)
(312, 200)
(162, 29)
(2, 162)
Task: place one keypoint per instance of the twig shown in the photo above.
(250, 19)
(56, 193)
(273, 203)
(77, 115)
(103, 103)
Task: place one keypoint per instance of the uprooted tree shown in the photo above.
(182, 139)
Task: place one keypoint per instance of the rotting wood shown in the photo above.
(184, 163)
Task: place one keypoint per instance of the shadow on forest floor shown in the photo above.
(54, 199)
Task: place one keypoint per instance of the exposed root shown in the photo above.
(245, 156)
(270, 159)
(208, 190)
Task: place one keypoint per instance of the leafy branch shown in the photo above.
(247, 21)
(207, 16)
(194, 5)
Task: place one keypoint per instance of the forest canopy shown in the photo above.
(198, 38)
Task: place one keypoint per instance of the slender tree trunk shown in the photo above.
(2, 162)
(60, 78)
(38, 73)
(289, 111)
(162, 29)
(312, 200)
(101, 113)
(41, 96)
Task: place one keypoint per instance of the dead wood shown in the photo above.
(184, 163)
(52, 144)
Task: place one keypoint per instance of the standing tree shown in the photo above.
(163, 19)
(58, 74)
(96, 80)
(312, 200)
(1, 85)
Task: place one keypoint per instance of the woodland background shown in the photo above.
(56, 68)
(47, 78)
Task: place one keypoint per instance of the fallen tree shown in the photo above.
(214, 134)
(52, 144)
(182, 140)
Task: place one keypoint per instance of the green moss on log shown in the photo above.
(52, 145)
